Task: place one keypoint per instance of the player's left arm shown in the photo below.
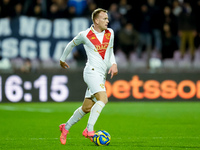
(113, 69)
(76, 41)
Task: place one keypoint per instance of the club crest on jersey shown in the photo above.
(107, 35)
(92, 38)
(102, 86)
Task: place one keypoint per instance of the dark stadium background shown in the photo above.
(153, 101)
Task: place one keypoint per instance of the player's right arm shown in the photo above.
(63, 64)
(66, 52)
(76, 41)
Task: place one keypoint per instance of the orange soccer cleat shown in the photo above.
(88, 135)
(63, 135)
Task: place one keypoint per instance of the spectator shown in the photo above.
(114, 17)
(79, 6)
(91, 6)
(144, 31)
(18, 9)
(33, 8)
(169, 42)
(6, 9)
(27, 67)
(128, 39)
(197, 13)
(187, 29)
(176, 8)
(37, 11)
(124, 8)
(60, 9)
(170, 19)
(156, 25)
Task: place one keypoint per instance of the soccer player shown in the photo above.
(98, 43)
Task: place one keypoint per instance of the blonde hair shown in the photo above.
(96, 12)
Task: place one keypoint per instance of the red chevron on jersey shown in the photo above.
(101, 48)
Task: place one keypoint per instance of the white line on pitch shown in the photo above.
(28, 109)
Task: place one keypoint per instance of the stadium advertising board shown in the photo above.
(124, 87)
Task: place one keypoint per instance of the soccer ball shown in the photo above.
(101, 138)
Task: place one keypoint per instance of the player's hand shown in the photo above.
(64, 64)
(113, 70)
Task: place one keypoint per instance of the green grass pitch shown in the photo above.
(132, 125)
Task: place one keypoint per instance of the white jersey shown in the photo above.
(98, 47)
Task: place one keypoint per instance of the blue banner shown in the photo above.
(33, 38)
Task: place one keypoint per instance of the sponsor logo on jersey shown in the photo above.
(102, 47)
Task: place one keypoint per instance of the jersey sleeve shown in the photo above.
(112, 58)
(75, 42)
(78, 39)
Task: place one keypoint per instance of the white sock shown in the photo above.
(94, 114)
(78, 114)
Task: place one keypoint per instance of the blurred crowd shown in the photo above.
(162, 29)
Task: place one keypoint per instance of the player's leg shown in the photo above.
(101, 96)
(87, 105)
(64, 128)
(97, 92)
(96, 109)
(101, 99)
(77, 115)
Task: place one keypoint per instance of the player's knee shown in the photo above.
(86, 109)
(102, 96)
(105, 101)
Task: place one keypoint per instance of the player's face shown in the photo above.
(103, 21)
